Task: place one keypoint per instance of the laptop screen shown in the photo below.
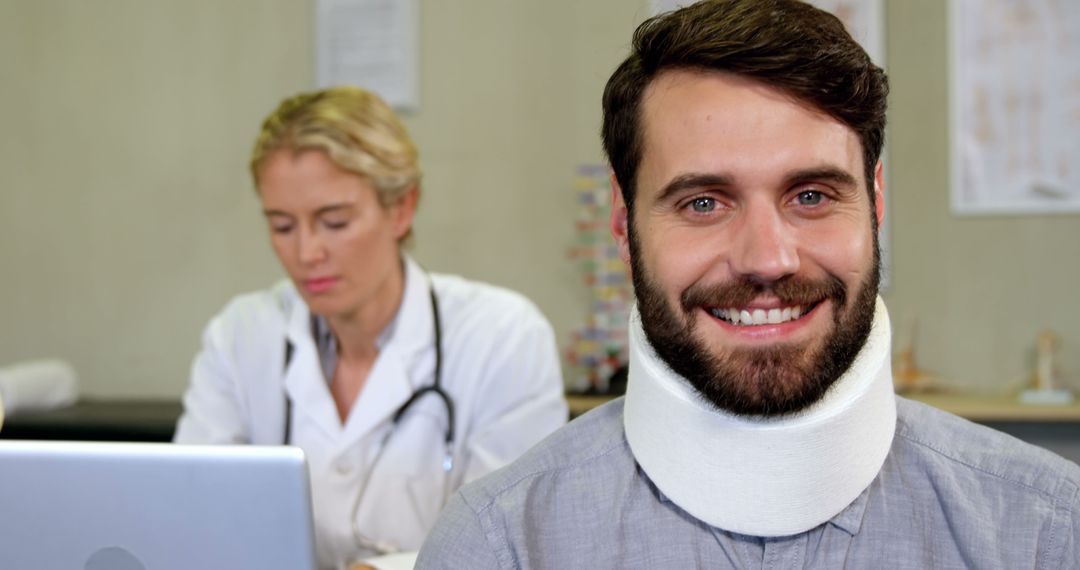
(138, 506)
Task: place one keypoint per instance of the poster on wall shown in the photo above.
(372, 44)
(1015, 106)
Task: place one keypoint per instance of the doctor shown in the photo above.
(399, 385)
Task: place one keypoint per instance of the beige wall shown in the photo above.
(981, 287)
(126, 215)
(127, 219)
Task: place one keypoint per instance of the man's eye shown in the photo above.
(702, 205)
(281, 229)
(335, 224)
(810, 198)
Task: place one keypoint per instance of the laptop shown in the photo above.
(142, 506)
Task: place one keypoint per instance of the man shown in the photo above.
(760, 427)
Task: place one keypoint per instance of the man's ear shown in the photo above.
(879, 194)
(620, 221)
(404, 211)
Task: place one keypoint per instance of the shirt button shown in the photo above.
(343, 467)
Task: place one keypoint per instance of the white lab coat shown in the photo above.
(500, 366)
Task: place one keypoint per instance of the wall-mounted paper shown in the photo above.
(372, 44)
(1015, 106)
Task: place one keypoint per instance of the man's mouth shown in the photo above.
(758, 316)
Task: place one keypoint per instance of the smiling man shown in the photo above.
(760, 428)
(751, 238)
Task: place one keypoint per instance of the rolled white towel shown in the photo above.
(38, 385)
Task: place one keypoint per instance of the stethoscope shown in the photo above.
(378, 546)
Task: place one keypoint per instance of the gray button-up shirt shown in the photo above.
(951, 494)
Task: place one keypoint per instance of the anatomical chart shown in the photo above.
(1015, 106)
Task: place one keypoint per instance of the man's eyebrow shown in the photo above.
(695, 180)
(691, 181)
(837, 176)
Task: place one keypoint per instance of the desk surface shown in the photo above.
(975, 407)
(98, 420)
(999, 408)
(155, 420)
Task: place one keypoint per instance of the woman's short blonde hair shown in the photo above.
(354, 127)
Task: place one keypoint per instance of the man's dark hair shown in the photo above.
(786, 44)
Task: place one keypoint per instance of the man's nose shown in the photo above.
(764, 245)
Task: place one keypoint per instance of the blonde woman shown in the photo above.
(399, 385)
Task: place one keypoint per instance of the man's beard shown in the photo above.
(768, 381)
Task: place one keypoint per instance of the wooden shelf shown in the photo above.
(998, 408)
(975, 407)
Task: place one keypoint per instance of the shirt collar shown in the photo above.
(850, 519)
(412, 330)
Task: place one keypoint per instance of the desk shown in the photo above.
(984, 408)
(98, 420)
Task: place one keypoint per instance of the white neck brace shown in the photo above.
(762, 476)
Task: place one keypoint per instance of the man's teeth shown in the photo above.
(758, 316)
